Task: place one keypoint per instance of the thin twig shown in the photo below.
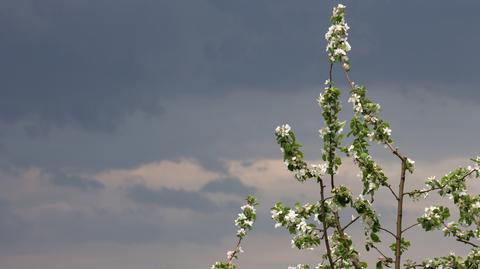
(409, 227)
(463, 240)
(391, 233)
(392, 191)
(350, 223)
(381, 253)
(467, 242)
(395, 151)
(230, 259)
(437, 188)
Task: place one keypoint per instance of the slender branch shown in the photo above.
(352, 84)
(325, 227)
(424, 191)
(392, 191)
(391, 233)
(463, 240)
(337, 259)
(467, 242)
(230, 259)
(330, 75)
(437, 188)
(354, 259)
(395, 151)
(338, 225)
(380, 252)
(401, 188)
(350, 223)
(409, 227)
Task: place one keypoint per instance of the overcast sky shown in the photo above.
(130, 130)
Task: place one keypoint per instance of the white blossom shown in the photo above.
(230, 254)
(323, 131)
(319, 170)
(275, 213)
(387, 131)
(283, 130)
(241, 232)
(291, 216)
(354, 98)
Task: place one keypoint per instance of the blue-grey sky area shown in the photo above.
(131, 130)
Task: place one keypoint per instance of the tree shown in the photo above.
(319, 223)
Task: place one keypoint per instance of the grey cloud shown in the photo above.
(99, 225)
(228, 186)
(80, 64)
(12, 227)
(90, 64)
(76, 182)
(179, 199)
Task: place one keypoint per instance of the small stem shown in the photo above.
(350, 223)
(230, 259)
(438, 188)
(463, 240)
(467, 242)
(391, 233)
(330, 75)
(409, 227)
(392, 191)
(381, 253)
(395, 151)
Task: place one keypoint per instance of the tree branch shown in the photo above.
(325, 228)
(391, 233)
(437, 188)
(467, 242)
(398, 241)
(350, 223)
(381, 253)
(409, 227)
(393, 192)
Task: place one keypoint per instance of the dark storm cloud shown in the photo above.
(90, 64)
(166, 197)
(228, 186)
(76, 182)
(79, 63)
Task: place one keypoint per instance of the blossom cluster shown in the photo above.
(332, 135)
(375, 128)
(299, 266)
(366, 126)
(244, 223)
(453, 186)
(434, 217)
(455, 229)
(305, 235)
(472, 260)
(247, 217)
(309, 224)
(371, 223)
(344, 251)
(293, 156)
(337, 36)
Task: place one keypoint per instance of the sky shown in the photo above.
(130, 131)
